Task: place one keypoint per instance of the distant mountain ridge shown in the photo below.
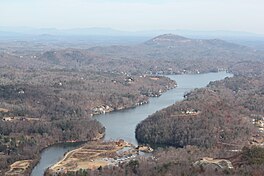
(115, 32)
(171, 47)
(108, 36)
(166, 53)
(161, 53)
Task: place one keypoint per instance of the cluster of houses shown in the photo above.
(13, 119)
(101, 110)
(190, 112)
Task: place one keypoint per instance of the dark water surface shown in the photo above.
(122, 124)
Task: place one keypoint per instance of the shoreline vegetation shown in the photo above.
(67, 167)
(237, 150)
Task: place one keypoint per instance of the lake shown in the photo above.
(122, 124)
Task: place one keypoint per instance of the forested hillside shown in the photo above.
(222, 120)
(39, 108)
(218, 114)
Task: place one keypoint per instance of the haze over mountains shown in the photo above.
(104, 36)
(165, 53)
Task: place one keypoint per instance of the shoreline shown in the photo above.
(115, 110)
(129, 108)
(36, 161)
(97, 139)
(135, 105)
(97, 154)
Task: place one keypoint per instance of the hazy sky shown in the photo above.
(236, 15)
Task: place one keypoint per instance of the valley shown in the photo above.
(57, 95)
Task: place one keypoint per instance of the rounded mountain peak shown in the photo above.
(166, 39)
(171, 37)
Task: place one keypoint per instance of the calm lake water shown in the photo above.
(52, 155)
(122, 124)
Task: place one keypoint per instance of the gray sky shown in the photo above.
(133, 15)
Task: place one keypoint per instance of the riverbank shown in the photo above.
(36, 161)
(167, 86)
(121, 124)
(151, 94)
(43, 107)
(142, 100)
(25, 167)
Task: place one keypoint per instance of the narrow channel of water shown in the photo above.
(122, 124)
(52, 155)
